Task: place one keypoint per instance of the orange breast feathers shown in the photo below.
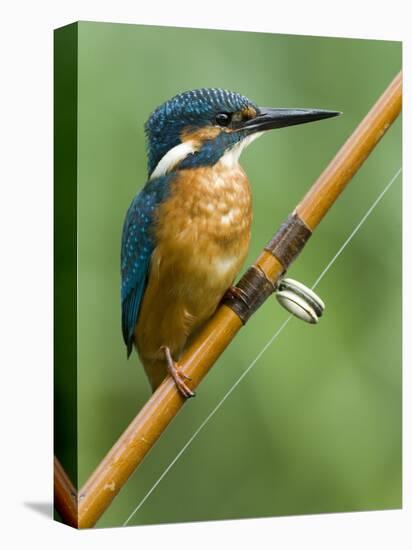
(202, 235)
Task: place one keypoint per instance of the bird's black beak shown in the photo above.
(268, 119)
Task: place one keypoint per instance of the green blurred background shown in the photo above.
(316, 426)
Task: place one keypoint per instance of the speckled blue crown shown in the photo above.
(195, 108)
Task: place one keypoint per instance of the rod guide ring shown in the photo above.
(299, 300)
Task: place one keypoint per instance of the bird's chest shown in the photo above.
(204, 226)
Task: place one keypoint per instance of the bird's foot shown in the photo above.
(178, 376)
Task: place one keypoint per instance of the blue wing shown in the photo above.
(137, 247)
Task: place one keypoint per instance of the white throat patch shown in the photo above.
(231, 156)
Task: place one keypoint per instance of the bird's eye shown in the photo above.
(223, 119)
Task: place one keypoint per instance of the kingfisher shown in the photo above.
(186, 233)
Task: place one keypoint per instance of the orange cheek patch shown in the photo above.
(200, 134)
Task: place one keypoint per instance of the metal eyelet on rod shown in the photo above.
(299, 300)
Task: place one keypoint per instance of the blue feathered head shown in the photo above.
(213, 120)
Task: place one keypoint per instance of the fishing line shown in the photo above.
(356, 229)
(263, 350)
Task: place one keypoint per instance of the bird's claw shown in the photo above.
(178, 376)
(179, 379)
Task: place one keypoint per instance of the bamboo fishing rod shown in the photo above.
(253, 289)
(65, 495)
